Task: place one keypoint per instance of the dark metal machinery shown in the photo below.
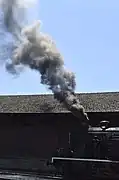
(92, 153)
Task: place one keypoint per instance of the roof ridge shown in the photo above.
(50, 94)
(104, 92)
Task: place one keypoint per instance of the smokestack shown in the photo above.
(38, 51)
(72, 103)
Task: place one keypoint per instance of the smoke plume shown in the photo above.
(38, 51)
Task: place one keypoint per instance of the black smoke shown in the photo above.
(38, 51)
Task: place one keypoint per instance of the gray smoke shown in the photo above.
(38, 51)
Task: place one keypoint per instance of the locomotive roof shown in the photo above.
(45, 103)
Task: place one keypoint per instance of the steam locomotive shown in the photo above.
(95, 155)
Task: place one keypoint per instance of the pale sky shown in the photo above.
(87, 34)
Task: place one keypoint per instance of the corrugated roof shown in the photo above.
(92, 102)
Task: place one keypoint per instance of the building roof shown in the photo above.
(45, 103)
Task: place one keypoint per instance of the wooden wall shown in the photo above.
(38, 135)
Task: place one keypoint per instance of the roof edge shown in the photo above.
(51, 94)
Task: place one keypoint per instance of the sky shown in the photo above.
(87, 35)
